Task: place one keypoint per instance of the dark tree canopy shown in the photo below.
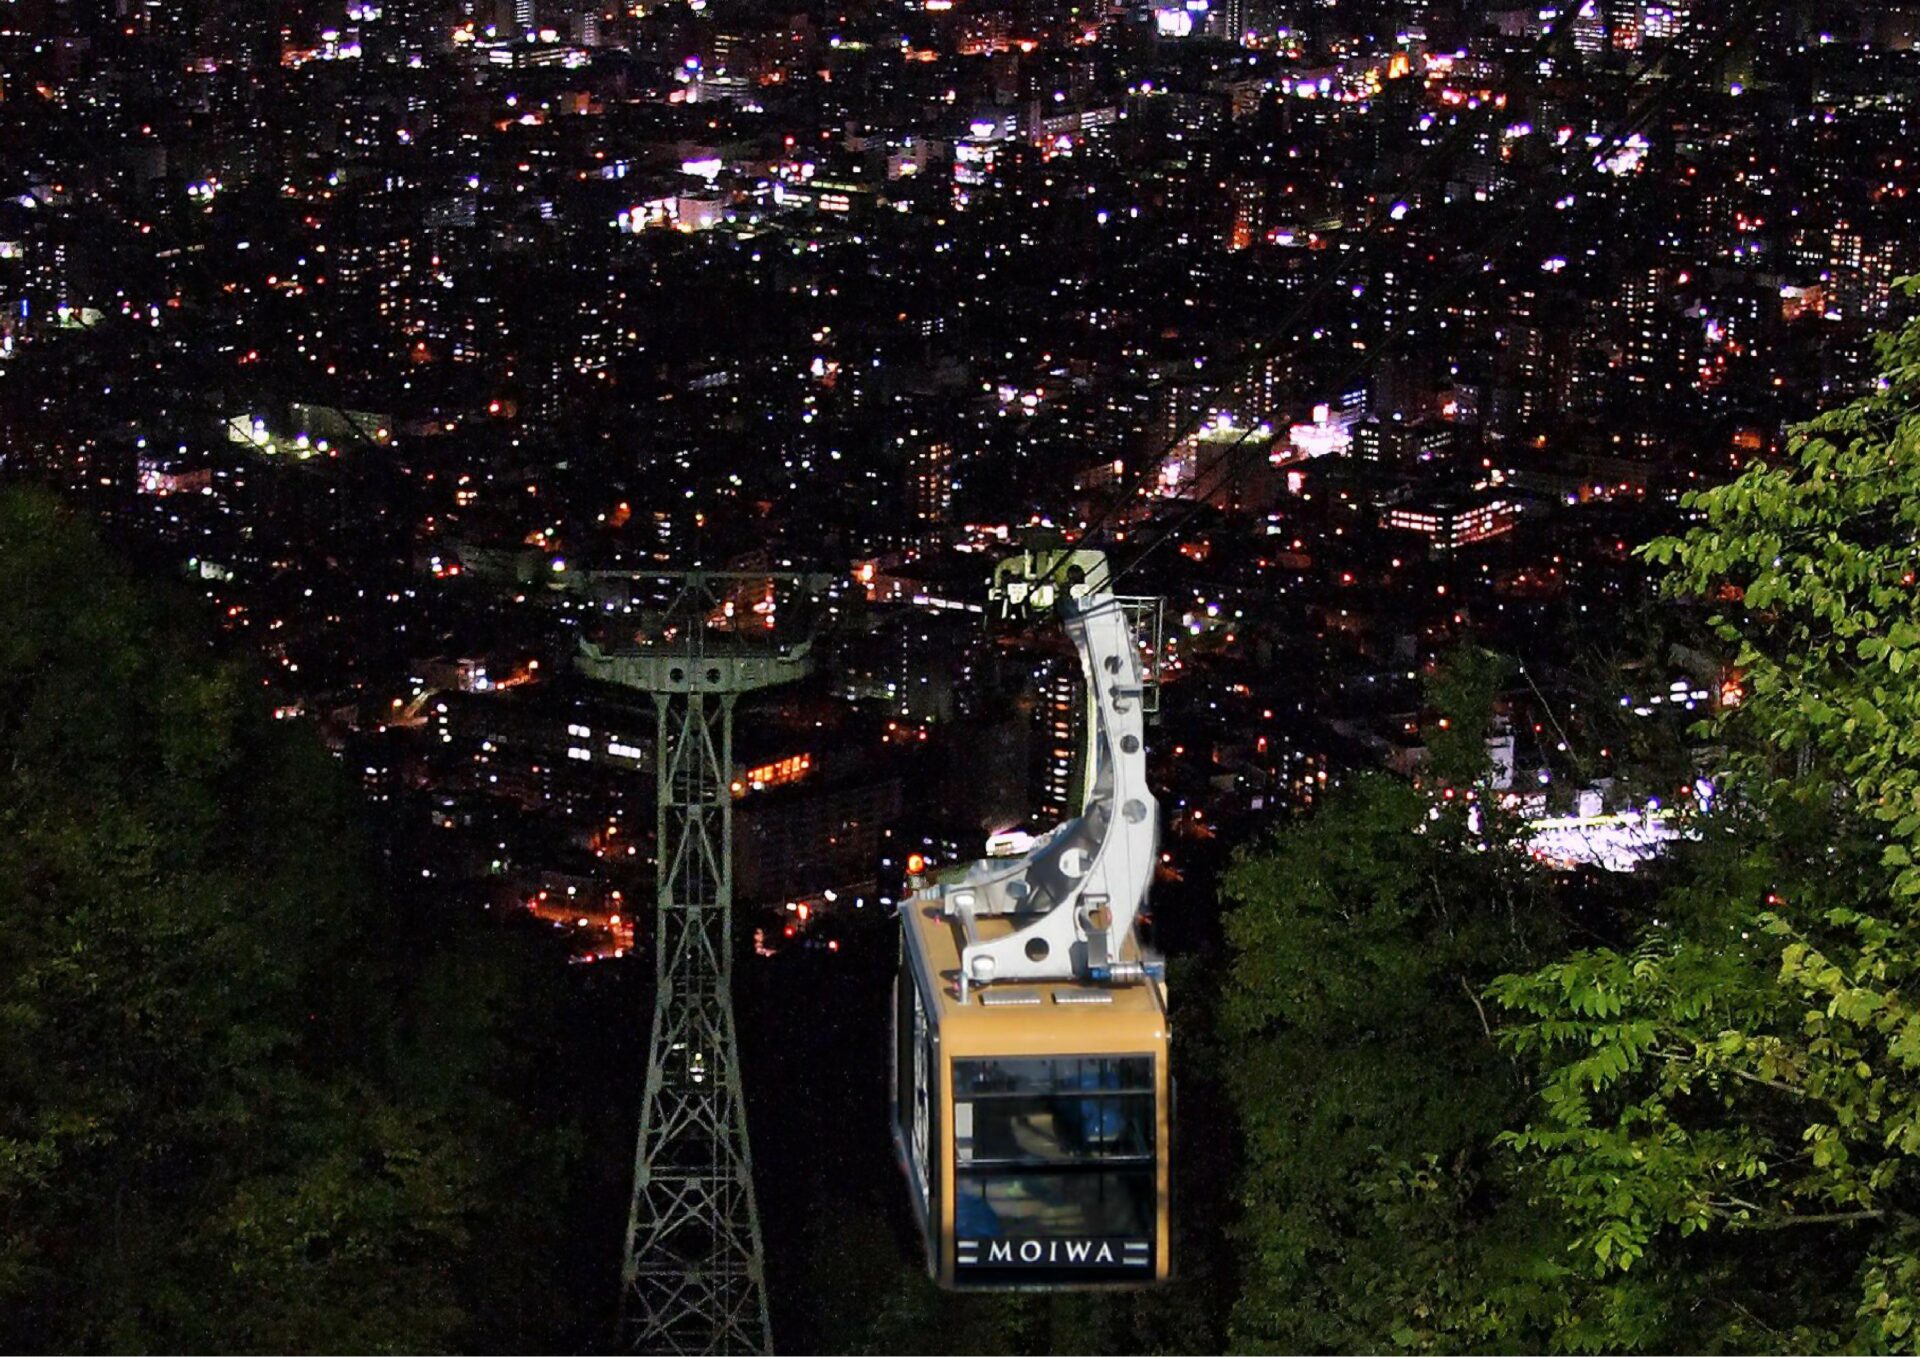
(1368, 1084)
(227, 1120)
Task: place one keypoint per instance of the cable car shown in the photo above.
(1031, 1093)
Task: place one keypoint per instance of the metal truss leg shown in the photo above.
(694, 1276)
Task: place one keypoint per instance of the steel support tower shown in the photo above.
(693, 1279)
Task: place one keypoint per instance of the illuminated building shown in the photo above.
(930, 483)
(1396, 441)
(161, 478)
(1057, 716)
(779, 773)
(1324, 436)
(1449, 526)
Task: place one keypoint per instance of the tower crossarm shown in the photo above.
(717, 668)
(698, 657)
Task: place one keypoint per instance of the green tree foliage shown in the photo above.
(219, 1127)
(1730, 1108)
(1368, 1083)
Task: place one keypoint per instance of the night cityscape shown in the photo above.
(570, 572)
